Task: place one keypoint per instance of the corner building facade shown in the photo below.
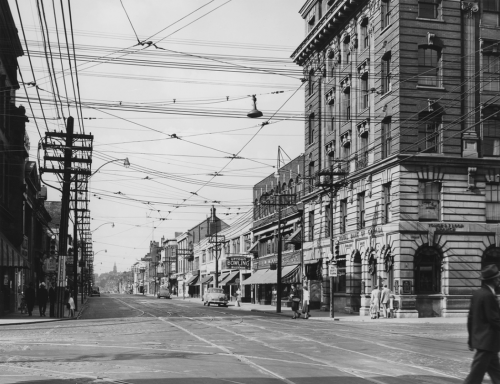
(403, 126)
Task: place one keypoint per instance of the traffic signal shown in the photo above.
(53, 247)
(337, 250)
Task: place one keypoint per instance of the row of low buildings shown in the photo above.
(399, 180)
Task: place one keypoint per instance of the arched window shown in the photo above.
(427, 267)
(491, 256)
(429, 66)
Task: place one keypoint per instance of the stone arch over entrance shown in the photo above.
(427, 269)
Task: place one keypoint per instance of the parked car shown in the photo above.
(163, 292)
(216, 296)
(95, 292)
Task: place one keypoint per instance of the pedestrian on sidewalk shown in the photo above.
(306, 296)
(52, 300)
(295, 299)
(30, 296)
(483, 326)
(385, 296)
(375, 303)
(238, 297)
(391, 305)
(43, 296)
(71, 305)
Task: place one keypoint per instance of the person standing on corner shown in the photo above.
(385, 296)
(375, 303)
(483, 326)
(238, 297)
(52, 300)
(30, 296)
(306, 296)
(295, 299)
(43, 296)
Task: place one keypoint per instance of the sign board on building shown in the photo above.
(50, 265)
(406, 287)
(333, 270)
(61, 272)
(241, 262)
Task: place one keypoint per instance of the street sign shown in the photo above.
(333, 270)
(61, 273)
(240, 262)
(216, 239)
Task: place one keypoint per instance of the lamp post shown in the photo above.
(126, 164)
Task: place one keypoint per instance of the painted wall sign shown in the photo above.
(446, 227)
(364, 232)
(241, 262)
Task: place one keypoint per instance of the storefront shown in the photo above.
(230, 284)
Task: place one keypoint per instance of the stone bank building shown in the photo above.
(402, 103)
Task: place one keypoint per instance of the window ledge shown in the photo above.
(431, 20)
(490, 26)
(430, 87)
(309, 96)
(385, 29)
(382, 97)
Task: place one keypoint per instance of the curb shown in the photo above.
(285, 315)
(35, 322)
(84, 307)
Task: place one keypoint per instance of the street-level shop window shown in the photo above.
(361, 211)
(491, 11)
(339, 282)
(429, 200)
(343, 215)
(491, 137)
(429, 9)
(427, 268)
(429, 66)
(493, 203)
(387, 198)
(428, 136)
(311, 225)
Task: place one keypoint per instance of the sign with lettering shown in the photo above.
(406, 287)
(240, 262)
(50, 265)
(333, 270)
(446, 227)
(61, 272)
(368, 232)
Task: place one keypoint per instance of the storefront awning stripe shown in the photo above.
(228, 279)
(289, 274)
(292, 277)
(207, 279)
(192, 280)
(256, 277)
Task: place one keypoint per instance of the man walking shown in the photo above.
(30, 296)
(385, 296)
(483, 325)
(375, 303)
(52, 300)
(43, 296)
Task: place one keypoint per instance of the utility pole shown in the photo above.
(67, 154)
(75, 246)
(215, 239)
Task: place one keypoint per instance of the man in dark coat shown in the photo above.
(43, 296)
(52, 300)
(30, 297)
(483, 325)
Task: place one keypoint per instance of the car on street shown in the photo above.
(163, 292)
(95, 292)
(215, 296)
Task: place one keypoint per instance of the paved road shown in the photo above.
(136, 339)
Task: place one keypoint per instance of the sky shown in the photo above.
(166, 84)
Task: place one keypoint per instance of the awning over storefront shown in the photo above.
(207, 279)
(229, 278)
(193, 280)
(289, 275)
(10, 257)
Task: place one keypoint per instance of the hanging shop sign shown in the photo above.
(333, 270)
(50, 265)
(241, 262)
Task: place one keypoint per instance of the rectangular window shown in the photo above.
(346, 106)
(491, 137)
(363, 102)
(429, 193)
(311, 128)
(491, 73)
(343, 215)
(364, 38)
(340, 281)
(387, 203)
(311, 83)
(385, 14)
(429, 66)
(428, 136)
(386, 139)
(361, 211)
(491, 10)
(362, 157)
(204, 257)
(311, 225)
(328, 222)
(428, 9)
(311, 176)
(493, 203)
(385, 73)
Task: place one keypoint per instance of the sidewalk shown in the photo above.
(318, 315)
(18, 318)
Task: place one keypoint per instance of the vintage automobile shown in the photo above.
(163, 292)
(215, 296)
(95, 292)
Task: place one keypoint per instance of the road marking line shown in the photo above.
(239, 357)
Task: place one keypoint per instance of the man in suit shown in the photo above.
(483, 325)
(385, 296)
(52, 299)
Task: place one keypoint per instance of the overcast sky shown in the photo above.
(195, 84)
